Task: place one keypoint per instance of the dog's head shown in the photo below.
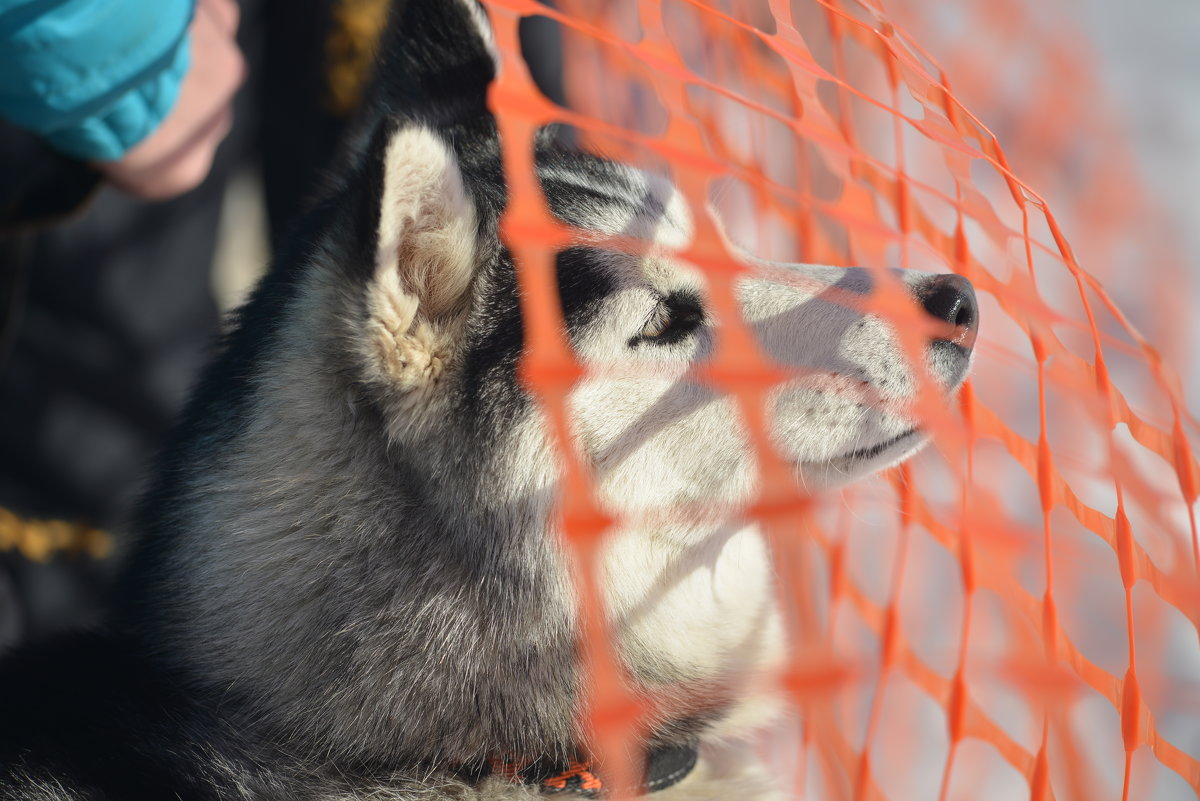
(436, 334)
(433, 327)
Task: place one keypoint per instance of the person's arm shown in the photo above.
(140, 89)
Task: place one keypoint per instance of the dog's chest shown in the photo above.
(694, 613)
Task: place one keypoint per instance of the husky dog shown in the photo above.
(349, 582)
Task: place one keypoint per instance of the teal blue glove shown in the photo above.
(93, 77)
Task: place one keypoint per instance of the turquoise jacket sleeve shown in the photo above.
(93, 77)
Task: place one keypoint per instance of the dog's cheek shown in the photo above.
(676, 443)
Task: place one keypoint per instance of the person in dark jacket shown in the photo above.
(105, 312)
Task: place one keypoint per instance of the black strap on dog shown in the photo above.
(665, 766)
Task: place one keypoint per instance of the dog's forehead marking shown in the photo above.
(616, 200)
(624, 202)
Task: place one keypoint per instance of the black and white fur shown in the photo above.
(349, 583)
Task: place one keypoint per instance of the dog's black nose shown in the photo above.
(951, 299)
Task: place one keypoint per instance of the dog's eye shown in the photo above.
(673, 319)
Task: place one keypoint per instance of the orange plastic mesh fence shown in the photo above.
(1014, 613)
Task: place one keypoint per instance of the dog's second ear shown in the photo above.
(425, 260)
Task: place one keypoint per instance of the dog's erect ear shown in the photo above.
(425, 259)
